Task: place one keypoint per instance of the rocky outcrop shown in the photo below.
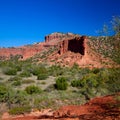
(74, 44)
(65, 42)
(71, 49)
(59, 48)
(23, 52)
(57, 36)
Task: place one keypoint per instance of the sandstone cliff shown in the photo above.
(59, 48)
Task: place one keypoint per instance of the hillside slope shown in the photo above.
(97, 108)
(63, 49)
(70, 49)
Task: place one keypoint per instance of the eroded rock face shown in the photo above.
(71, 49)
(65, 42)
(59, 48)
(76, 45)
(23, 52)
(57, 36)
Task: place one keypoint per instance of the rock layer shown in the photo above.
(59, 48)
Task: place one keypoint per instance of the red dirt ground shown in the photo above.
(102, 108)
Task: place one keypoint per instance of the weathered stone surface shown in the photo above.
(67, 42)
(75, 44)
(24, 51)
(57, 36)
(59, 48)
(59, 39)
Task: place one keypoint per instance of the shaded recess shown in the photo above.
(76, 46)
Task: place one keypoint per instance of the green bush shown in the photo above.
(96, 70)
(10, 71)
(38, 70)
(89, 81)
(3, 92)
(42, 76)
(16, 83)
(113, 83)
(55, 70)
(1, 78)
(75, 83)
(25, 74)
(20, 110)
(16, 78)
(61, 83)
(18, 98)
(32, 89)
(18, 67)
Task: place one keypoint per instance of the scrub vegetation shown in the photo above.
(62, 85)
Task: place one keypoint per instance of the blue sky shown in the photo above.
(27, 21)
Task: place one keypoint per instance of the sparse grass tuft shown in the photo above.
(42, 76)
(33, 89)
(28, 81)
(10, 71)
(20, 110)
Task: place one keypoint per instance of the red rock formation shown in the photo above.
(69, 49)
(52, 36)
(25, 51)
(73, 49)
(66, 42)
(76, 45)
(57, 36)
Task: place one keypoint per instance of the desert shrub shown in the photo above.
(75, 67)
(18, 67)
(102, 77)
(42, 76)
(26, 65)
(20, 110)
(17, 98)
(32, 89)
(89, 81)
(96, 70)
(28, 81)
(56, 70)
(10, 71)
(16, 83)
(16, 78)
(75, 83)
(1, 78)
(20, 98)
(3, 92)
(43, 83)
(87, 85)
(113, 83)
(85, 71)
(38, 70)
(25, 74)
(61, 83)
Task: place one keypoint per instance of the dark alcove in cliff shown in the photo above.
(76, 46)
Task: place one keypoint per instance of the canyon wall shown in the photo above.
(65, 42)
